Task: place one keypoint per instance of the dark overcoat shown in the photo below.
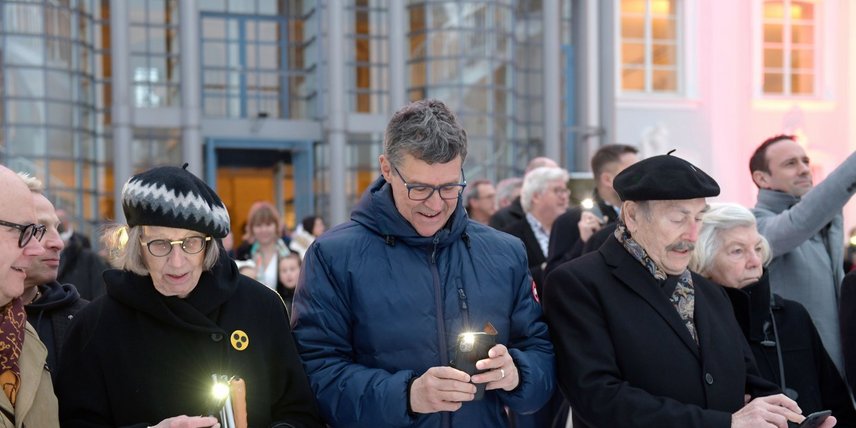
(625, 358)
(565, 243)
(847, 314)
(536, 258)
(808, 369)
(135, 357)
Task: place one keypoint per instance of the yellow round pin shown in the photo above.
(240, 340)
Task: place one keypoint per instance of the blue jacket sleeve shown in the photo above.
(347, 392)
(530, 347)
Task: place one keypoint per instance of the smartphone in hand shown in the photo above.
(470, 348)
(815, 419)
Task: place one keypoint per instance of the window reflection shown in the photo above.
(259, 62)
(649, 46)
(789, 47)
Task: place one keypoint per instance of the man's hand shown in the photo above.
(441, 389)
(771, 411)
(501, 374)
(189, 422)
(588, 225)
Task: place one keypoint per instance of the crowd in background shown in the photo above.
(757, 298)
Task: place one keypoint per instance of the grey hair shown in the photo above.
(125, 249)
(536, 181)
(34, 184)
(506, 187)
(426, 130)
(719, 218)
(472, 190)
(642, 207)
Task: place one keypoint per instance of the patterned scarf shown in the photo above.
(683, 298)
(11, 341)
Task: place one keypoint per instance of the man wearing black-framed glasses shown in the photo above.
(17, 229)
(22, 355)
(382, 298)
(51, 306)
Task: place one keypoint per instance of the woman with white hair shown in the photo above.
(784, 341)
(176, 317)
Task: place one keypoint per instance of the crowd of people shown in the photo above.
(441, 302)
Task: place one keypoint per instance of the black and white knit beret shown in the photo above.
(173, 197)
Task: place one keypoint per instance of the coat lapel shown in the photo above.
(630, 272)
(32, 365)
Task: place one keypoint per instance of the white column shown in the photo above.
(588, 81)
(121, 110)
(606, 60)
(337, 109)
(552, 80)
(191, 129)
(397, 55)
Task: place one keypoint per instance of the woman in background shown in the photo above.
(266, 227)
(289, 273)
(786, 345)
(304, 235)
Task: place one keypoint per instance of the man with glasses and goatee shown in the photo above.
(383, 297)
(27, 398)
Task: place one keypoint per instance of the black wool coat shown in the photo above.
(521, 229)
(505, 216)
(565, 243)
(847, 315)
(136, 357)
(625, 357)
(808, 369)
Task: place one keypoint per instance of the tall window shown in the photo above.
(258, 59)
(153, 36)
(790, 53)
(649, 54)
(368, 64)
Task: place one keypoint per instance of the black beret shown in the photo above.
(173, 197)
(664, 177)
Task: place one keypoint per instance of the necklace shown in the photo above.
(37, 296)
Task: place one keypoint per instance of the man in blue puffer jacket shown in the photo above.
(382, 297)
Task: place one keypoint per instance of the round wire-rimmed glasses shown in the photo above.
(190, 245)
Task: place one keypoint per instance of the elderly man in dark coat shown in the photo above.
(640, 340)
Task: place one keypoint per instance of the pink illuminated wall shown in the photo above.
(721, 112)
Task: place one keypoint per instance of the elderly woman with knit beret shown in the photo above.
(177, 312)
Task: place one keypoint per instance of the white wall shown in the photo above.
(719, 124)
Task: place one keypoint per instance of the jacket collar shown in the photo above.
(775, 200)
(196, 312)
(634, 275)
(377, 212)
(608, 210)
(752, 306)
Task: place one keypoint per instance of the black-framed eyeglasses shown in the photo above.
(421, 192)
(190, 245)
(27, 232)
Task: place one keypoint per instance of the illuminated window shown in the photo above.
(789, 43)
(649, 52)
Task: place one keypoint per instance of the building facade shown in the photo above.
(286, 100)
